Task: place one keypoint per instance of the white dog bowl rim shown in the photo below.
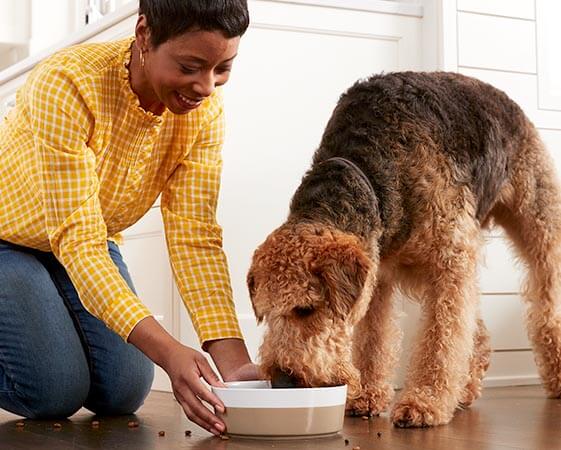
(261, 395)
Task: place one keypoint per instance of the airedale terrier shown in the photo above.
(410, 169)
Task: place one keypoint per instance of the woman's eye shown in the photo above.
(223, 69)
(188, 70)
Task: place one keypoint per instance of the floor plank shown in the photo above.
(505, 418)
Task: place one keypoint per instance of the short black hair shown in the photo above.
(170, 18)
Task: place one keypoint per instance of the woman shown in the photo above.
(98, 132)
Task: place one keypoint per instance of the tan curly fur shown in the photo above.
(445, 156)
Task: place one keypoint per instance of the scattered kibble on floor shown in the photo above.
(356, 447)
(161, 433)
(187, 432)
(379, 434)
(346, 442)
(365, 417)
(57, 425)
(133, 424)
(20, 424)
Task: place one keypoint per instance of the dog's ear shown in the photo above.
(343, 266)
(251, 289)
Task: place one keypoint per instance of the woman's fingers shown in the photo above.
(193, 417)
(197, 411)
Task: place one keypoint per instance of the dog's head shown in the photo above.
(308, 283)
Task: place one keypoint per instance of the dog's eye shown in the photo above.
(304, 311)
(251, 285)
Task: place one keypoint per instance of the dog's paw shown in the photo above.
(469, 394)
(408, 416)
(371, 402)
(411, 412)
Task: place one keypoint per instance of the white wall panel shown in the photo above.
(523, 9)
(504, 317)
(512, 368)
(499, 271)
(549, 62)
(496, 43)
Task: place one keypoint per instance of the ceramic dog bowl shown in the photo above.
(254, 409)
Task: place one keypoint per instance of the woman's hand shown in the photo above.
(248, 371)
(232, 359)
(185, 367)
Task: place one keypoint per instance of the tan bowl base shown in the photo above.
(283, 423)
(256, 437)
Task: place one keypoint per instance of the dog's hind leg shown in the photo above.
(530, 213)
(439, 367)
(376, 341)
(478, 365)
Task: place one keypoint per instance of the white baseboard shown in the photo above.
(511, 381)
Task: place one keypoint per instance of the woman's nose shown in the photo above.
(205, 84)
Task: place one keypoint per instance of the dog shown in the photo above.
(411, 168)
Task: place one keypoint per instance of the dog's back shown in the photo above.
(411, 132)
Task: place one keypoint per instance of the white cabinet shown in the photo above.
(15, 23)
(15, 30)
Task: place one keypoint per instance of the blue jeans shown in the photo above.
(55, 357)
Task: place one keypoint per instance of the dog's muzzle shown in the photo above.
(283, 380)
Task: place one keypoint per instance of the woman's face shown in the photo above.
(181, 72)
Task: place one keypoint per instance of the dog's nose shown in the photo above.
(281, 379)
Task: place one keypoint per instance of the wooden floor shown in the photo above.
(505, 418)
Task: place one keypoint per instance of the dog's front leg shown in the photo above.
(376, 342)
(440, 364)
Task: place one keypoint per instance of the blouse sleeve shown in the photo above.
(194, 237)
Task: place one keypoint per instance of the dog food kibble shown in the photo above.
(365, 417)
(133, 424)
(20, 424)
(346, 442)
(95, 423)
(161, 433)
(356, 448)
(187, 433)
(379, 434)
(224, 437)
(57, 425)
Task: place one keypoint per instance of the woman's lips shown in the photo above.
(186, 102)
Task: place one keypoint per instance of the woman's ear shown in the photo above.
(142, 33)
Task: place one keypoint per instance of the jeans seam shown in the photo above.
(15, 391)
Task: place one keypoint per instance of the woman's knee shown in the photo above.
(124, 389)
(52, 394)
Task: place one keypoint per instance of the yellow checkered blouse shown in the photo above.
(80, 161)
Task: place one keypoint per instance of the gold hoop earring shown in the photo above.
(141, 59)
